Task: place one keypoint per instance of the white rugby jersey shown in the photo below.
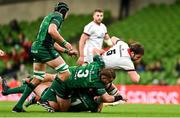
(117, 57)
(96, 36)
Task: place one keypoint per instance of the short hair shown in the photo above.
(109, 72)
(98, 10)
(137, 48)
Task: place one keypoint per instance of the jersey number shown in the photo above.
(81, 74)
(110, 52)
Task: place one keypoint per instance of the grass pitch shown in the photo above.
(123, 110)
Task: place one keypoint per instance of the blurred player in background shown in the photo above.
(2, 53)
(92, 37)
(43, 51)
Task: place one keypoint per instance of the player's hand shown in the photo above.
(69, 46)
(2, 53)
(72, 52)
(125, 99)
(80, 61)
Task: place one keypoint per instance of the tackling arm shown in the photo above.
(106, 98)
(135, 77)
(111, 41)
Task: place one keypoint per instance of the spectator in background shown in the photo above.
(158, 66)
(178, 81)
(124, 9)
(9, 41)
(177, 68)
(2, 53)
(8, 69)
(163, 82)
(23, 41)
(14, 82)
(15, 26)
(92, 37)
(26, 47)
(140, 67)
(22, 73)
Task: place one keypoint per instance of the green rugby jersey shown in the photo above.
(43, 38)
(85, 77)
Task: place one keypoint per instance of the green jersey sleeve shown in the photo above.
(57, 19)
(101, 91)
(99, 60)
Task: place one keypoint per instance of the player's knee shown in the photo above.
(54, 105)
(63, 71)
(65, 75)
(39, 75)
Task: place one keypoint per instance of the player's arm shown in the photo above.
(82, 41)
(108, 40)
(64, 50)
(59, 48)
(52, 30)
(111, 41)
(106, 98)
(98, 51)
(112, 89)
(135, 77)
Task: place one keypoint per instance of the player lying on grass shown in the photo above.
(81, 100)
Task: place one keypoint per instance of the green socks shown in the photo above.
(50, 94)
(28, 90)
(15, 90)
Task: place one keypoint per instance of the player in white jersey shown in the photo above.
(93, 35)
(121, 56)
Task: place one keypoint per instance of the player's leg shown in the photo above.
(5, 87)
(39, 91)
(14, 90)
(39, 72)
(61, 68)
(6, 90)
(62, 74)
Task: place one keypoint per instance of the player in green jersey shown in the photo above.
(43, 51)
(81, 99)
(93, 76)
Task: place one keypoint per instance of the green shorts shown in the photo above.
(44, 54)
(83, 101)
(52, 97)
(60, 89)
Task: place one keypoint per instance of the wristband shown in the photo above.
(117, 98)
(64, 43)
(66, 51)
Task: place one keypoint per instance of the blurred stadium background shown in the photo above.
(154, 23)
